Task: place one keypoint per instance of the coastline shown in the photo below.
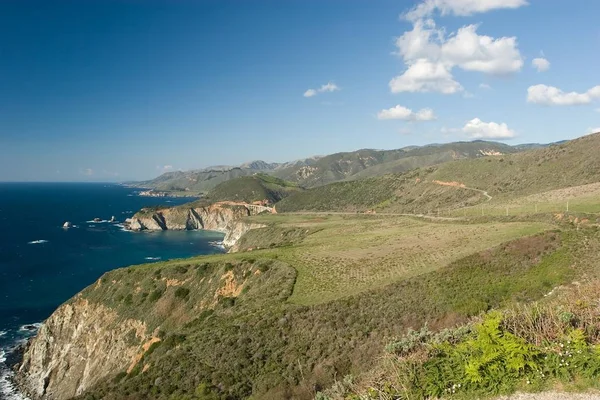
(56, 263)
(12, 384)
(160, 193)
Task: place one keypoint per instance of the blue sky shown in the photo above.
(116, 90)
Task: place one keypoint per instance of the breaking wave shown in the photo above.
(40, 241)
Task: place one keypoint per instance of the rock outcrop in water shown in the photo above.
(223, 217)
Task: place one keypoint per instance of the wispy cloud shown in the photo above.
(459, 7)
(164, 168)
(593, 130)
(553, 96)
(484, 86)
(541, 64)
(328, 87)
(406, 114)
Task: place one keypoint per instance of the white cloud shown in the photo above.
(460, 7)
(421, 42)
(541, 64)
(484, 86)
(430, 57)
(87, 172)
(553, 96)
(593, 130)
(598, 110)
(164, 168)
(406, 114)
(425, 76)
(328, 87)
(473, 52)
(477, 129)
(404, 131)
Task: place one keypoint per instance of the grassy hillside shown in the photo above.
(253, 188)
(317, 171)
(367, 163)
(200, 181)
(322, 300)
(548, 345)
(410, 192)
(504, 178)
(426, 156)
(321, 303)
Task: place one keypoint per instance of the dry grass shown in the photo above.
(347, 255)
(582, 199)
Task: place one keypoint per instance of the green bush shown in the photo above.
(182, 293)
(488, 361)
(180, 269)
(155, 295)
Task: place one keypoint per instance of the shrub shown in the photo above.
(119, 377)
(174, 340)
(180, 269)
(488, 359)
(182, 293)
(155, 295)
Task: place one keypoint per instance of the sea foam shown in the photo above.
(219, 245)
(40, 241)
(30, 327)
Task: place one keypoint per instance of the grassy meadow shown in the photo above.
(342, 255)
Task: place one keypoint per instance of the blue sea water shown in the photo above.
(42, 264)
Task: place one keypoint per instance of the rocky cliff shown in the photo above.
(123, 326)
(63, 360)
(223, 217)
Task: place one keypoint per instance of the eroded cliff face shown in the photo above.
(222, 217)
(77, 346)
(110, 327)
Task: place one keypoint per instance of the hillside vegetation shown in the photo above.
(257, 187)
(331, 303)
(317, 171)
(459, 184)
(319, 297)
(196, 182)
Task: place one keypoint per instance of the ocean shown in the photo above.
(42, 264)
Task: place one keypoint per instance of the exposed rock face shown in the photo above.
(222, 217)
(62, 361)
(235, 230)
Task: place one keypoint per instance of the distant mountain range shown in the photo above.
(322, 170)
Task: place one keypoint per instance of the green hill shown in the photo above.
(505, 177)
(321, 304)
(257, 187)
(367, 163)
(200, 181)
(318, 171)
